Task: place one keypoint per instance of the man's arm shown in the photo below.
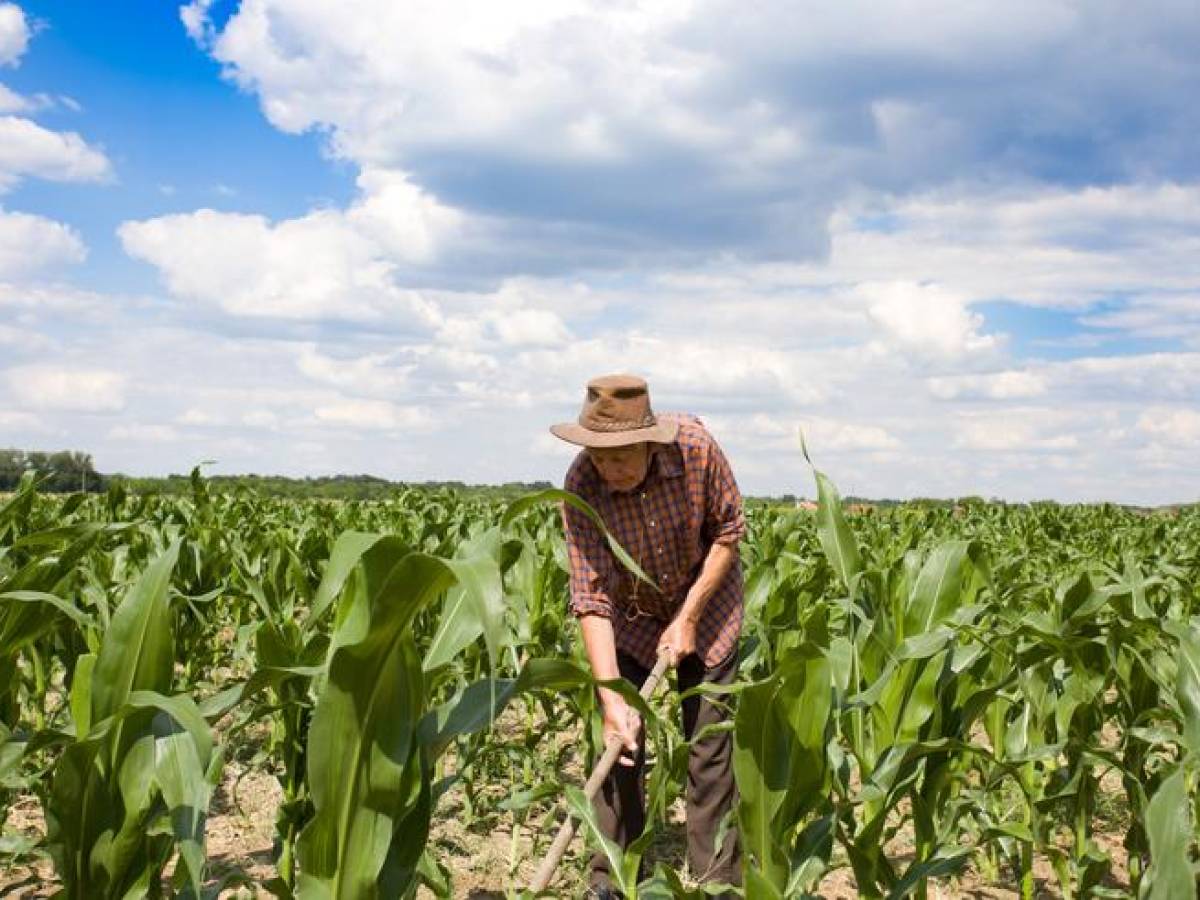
(591, 566)
(725, 525)
(679, 638)
(619, 717)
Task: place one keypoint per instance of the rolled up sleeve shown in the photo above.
(724, 522)
(591, 565)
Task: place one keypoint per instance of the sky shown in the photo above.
(958, 246)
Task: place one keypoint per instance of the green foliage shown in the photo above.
(921, 688)
(61, 471)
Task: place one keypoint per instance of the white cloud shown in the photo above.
(1178, 426)
(158, 434)
(28, 149)
(374, 415)
(686, 127)
(11, 102)
(29, 243)
(782, 432)
(1157, 317)
(199, 417)
(927, 318)
(372, 375)
(261, 418)
(11, 418)
(14, 34)
(405, 222)
(1015, 430)
(23, 340)
(67, 389)
(194, 16)
(324, 264)
(1046, 247)
(1008, 385)
(36, 298)
(531, 327)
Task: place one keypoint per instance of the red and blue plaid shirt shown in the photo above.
(687, 502)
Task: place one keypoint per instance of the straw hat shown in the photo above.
(616, 413)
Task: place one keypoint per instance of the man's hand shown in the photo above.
(678, 639)
(623, 721)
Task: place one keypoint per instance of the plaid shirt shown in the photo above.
(687, 502)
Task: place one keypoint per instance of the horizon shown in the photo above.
(847, 497)
(959, 248)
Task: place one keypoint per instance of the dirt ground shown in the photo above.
(484, 862)
(488, 855)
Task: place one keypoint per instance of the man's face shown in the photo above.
(622, 468)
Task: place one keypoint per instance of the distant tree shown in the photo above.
(63, 471)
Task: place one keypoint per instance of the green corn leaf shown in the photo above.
(945, 861)
(1169, 827)
(475, 606)
(364, 725)
(481, 702)
(779, 758)
(138, 650)
(555, 495)
(836, 538)
(583, 810)
(1187, 685)
(941, 588)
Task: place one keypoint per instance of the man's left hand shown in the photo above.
(679, 639)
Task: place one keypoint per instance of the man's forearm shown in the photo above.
(601, 648)
(717, 564)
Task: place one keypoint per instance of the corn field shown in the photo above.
(924, 695)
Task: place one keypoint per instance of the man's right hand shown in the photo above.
(622, 720)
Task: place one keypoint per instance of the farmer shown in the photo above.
(665, 491)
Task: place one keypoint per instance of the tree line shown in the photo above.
(62, 471)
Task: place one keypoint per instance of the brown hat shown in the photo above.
(616, 413)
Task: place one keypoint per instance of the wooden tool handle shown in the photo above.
(612, 749)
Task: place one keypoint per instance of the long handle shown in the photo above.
(612, 749)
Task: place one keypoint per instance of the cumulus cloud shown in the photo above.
(1178, 426)
(328, 263)
(1166, 316)
(781, 221)
(927, 319)
(14, 419)
(14, 34)
(374, 374)
(1037, 245)
(28, 149)
(133, 431)
(1017, 429)
(194, 17)
(614, 112)
(783, 432)
(29, 243)
(11, 102)
(311, 267)
(374, 415)
(1008, 385)
(67, 389)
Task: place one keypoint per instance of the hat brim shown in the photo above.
(662, 432)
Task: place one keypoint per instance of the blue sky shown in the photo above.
(959, 247)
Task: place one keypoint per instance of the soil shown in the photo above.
(485, 856)
(488, 854)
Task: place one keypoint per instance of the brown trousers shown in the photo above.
(620, 804)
